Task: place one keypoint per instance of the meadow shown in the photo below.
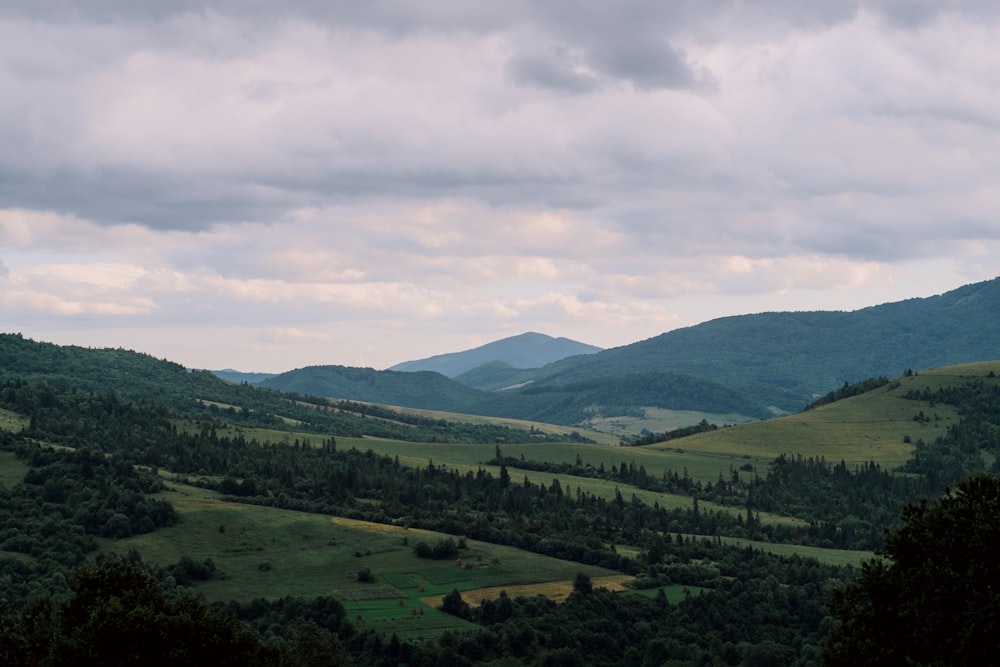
(270, 552)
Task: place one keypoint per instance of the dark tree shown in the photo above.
(120, 615)
(932, 599)
(453, 604)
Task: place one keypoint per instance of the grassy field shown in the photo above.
(269, 552)
(705, 466)
(661, 420)
(869, 427)
(828, 556)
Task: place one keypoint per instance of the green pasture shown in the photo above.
(951, 375)
(660, 420)
(869, 427)
(598, 435)
(827, 556)
(269, 552)
(704, 466)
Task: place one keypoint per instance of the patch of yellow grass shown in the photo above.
(384, 528)
(557, 591)
(11, 421)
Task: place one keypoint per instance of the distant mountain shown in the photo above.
(786, 359)
(528, 350)
(422, 389)
(744, 365)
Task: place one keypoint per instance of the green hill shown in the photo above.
(749, 365)
(422, 389)
(495, 375)
(626, 395)
(313, 515)
(203, 395)
(787, 359)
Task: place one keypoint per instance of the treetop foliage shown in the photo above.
(931, 598)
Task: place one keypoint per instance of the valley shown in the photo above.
(429, 529)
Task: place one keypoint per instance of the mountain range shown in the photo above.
(748, 367)
(755, 365)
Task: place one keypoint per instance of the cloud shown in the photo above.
(304, 174)
(558, 69)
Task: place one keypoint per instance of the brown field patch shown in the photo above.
(556, 591)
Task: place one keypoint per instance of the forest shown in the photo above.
(94, 459)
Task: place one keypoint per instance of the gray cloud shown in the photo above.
(556, 69)
(312, 163)
(648, 64)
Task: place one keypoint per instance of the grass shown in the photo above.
(464, 458)
(827, 556)
(704, 466)
(661, 420)
(12, 422)
(869, 427)
(599, 436)
(557, 590)
(309, 554)
(12, 469)
(269, 552)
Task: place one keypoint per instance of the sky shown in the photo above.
(269, 185)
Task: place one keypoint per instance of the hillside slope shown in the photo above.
(423, 389)
(788, 358)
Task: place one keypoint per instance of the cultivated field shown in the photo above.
(269, 552)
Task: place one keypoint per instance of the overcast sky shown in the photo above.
(268, 185)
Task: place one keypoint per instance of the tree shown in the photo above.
(309, 645)
(583, 584)
(931, 598)
(453, 604)
(504, 476)
(119, 614)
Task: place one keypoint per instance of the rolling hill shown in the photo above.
(419, 389)
(786, 359)
(248, 518)
(753, 365)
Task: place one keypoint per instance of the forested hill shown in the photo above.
(788, 358)
(139, 377)
(569, 404)
(424, 389)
